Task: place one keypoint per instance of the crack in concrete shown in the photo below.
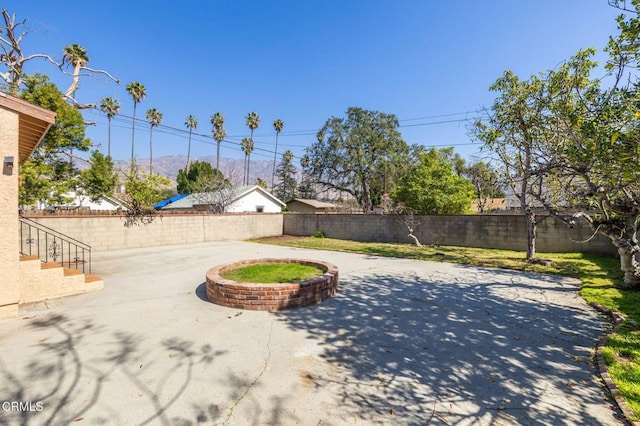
(255, 381)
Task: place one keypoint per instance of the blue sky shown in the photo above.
(428, 62)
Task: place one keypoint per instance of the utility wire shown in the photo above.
(235, 140)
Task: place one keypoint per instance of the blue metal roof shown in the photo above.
(163, 203)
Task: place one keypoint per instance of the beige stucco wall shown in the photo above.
(9, 249)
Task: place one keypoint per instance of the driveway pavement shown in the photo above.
(404, 342)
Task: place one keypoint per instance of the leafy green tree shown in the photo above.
(100, 178)
(49, 173)
(154, 117)
(199, 170)
(287, 187)
(144, 190)
(137, 92)
(585, 162)
(69, 130)
(191, 122)
(218, 133)
(35, 182)
(278, 125)
(350, 153)
(591, 168)
(486, 182)
(433, 187)
(306, 188)
(515, 131)
(111, 107)
(247, 147)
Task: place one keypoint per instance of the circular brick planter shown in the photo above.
(271, 297)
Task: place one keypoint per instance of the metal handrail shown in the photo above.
(52, 246)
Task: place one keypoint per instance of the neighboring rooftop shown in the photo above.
(314, 203)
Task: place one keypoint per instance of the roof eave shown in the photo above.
(33, 123)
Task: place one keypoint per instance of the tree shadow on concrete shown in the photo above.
(73, 386)
(496, 346)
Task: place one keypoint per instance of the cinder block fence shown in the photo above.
(490, 231)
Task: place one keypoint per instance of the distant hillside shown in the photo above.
(169, 165)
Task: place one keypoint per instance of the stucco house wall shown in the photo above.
(254, 199)
(22, 127)
(79, 201)
(248, 199)
(9, 249)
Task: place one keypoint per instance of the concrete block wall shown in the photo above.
(104, 233)
(489, 231)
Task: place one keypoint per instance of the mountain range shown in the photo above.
(231, 167)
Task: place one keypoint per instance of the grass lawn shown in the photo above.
(273, 273)
(599, 276)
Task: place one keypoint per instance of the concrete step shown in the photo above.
(89, 278)
(48, 280)
(69, 272)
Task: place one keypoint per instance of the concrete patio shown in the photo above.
(404, 342)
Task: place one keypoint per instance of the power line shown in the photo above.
(459, 120)
(234, 140)
(429, 117)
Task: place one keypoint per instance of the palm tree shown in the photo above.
(154, 117)
(277, 125)
(191, 124)
(75, 55)
(219, 133)
(111, 107)
(253, 121)
(247, 148)
(137, 92)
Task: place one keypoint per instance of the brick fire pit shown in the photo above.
(271, 297)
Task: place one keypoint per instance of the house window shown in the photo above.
(259, 209)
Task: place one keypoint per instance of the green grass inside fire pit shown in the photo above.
(273, 273)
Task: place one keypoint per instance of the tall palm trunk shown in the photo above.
(218, 157)
(248, 163)
(151, 150)
(133, 136)
(188, 153)
(273, 171)
(248, 159)
(109, 137)
(245, 178)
